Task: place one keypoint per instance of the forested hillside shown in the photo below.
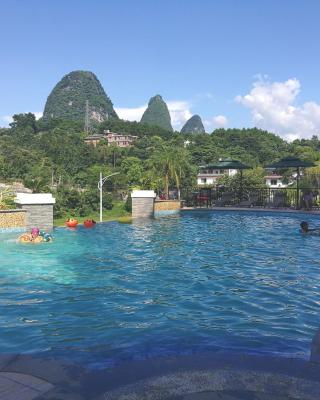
(68, 99)
(51, 155)
(157, 113)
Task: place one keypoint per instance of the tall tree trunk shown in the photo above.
(166, 186)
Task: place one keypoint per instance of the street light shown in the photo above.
(100, 187)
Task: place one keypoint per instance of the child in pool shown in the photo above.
(305, 228)
(33, 237)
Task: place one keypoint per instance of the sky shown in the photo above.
(236, 63)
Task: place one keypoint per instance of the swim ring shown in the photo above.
(89, 223)
(25, 238)
(38, 239)
(71, 223)
(36, 236)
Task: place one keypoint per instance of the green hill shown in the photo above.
(193, 125)
(68, 99)
(157, 114)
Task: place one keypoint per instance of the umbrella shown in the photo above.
(292, 162)
(228, 163)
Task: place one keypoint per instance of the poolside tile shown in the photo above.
(21, 387)
(6, 359)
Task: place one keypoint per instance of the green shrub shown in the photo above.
(128, 203)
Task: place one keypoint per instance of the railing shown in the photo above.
(253, 197)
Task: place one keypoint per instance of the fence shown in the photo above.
(253, 197)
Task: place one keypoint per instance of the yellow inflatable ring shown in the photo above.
(25, 238)
(38, 239)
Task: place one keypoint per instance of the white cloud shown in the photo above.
(38, 114)
(273, 107)
(219, 121)
(7, 119)
(131, 114)
(179, 112)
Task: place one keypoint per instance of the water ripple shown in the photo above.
(241, 282)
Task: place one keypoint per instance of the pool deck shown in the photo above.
(197, 377)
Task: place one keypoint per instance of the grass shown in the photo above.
(117, 213)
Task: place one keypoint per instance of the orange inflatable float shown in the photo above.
(72, 223)
(89, 223)
(25, 238)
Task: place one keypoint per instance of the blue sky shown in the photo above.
(235, 63)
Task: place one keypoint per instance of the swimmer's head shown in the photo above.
(35, 232)
(304, 226)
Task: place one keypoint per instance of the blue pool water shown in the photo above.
(218, 281)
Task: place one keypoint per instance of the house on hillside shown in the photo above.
(118, 139)
(209, 174)
(275, 181)
(93, 139)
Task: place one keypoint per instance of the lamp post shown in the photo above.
(101, 182)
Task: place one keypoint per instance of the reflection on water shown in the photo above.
(241, 282)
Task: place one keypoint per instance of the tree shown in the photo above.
(133, 169)
(170, 163)
(251, 180)
(24, 121)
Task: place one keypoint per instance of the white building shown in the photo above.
(209, 175)
(275, 181)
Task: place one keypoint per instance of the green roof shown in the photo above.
(291, 162)
(227, 164)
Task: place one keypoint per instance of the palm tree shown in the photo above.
(169, 163)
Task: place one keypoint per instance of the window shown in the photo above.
(203, 180)
(273, 182)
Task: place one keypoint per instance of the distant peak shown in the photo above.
(193, 125)
(157, 113)
(68, 98)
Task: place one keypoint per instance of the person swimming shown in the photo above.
(305, 228)
(36, 236)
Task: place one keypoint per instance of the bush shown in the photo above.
(71, 202)
(128, 203)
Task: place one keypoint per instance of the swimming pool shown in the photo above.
(218, 281)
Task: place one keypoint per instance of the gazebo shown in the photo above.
(292, 162)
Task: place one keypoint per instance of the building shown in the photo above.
(94, 139)
(112, 138)
(120, 140)
(209, 174)
(275, 181)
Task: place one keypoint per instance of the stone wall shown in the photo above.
(38, 215)
(167, 205)
(142, 207)
(13, 218)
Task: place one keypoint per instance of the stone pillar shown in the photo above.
(142, 203)
(39, 208)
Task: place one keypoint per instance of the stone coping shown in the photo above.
(252, 209)
(34, 198)
(167, 201)
(179, 378)
(16, 210)
(143, 194)
(16, 386)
